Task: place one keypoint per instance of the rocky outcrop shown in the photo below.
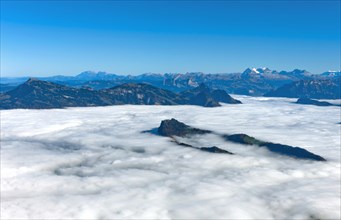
(172, 128)
(242, 139)
(307, 101)
(213, 149)
(282, 149)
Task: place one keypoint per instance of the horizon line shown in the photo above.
(138, 74)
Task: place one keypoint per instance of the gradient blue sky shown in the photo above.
(40, 38)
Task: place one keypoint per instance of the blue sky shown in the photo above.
(40, 38)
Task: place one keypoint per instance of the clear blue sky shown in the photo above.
(40, 38)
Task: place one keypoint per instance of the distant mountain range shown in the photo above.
(252, 81)
(38, 94)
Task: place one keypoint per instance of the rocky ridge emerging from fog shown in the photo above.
(173, 128)
(307, 101)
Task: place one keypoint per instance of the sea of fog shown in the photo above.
(96, 163)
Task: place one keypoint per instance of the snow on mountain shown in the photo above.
(255, 70)
(331, 73)
(258, 80)
(296, 73)
(261, 70)
(91, 75)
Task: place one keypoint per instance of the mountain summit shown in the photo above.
(204, 96)
(35, 93)
(258, 71)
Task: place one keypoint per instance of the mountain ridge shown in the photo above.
(312, 88)
(38, 94)
(252, 81)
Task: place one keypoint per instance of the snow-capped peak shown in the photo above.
(255, 70)
(258, 70)
(332, 73)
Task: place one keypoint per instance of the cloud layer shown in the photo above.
(95, 163)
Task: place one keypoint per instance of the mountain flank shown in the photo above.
(313, 88)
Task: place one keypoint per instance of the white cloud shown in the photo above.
(95, 163)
